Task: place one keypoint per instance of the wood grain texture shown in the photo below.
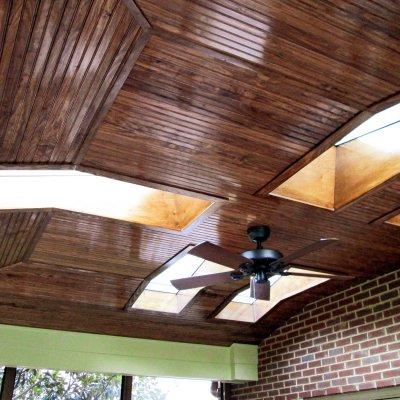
(19, 233)
(46, 282)
(225, 96)
(314, 184)
(61, 65)
(362, 167)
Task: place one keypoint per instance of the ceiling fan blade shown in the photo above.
(314, 269)
(304, 251)
(311, 275)
(201, 280)
(260, 291)
(219, 255)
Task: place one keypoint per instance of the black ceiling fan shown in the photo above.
(259, 264)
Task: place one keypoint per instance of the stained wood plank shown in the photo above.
(61, 65)
(19, 233)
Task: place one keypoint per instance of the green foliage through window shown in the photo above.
(34, 384)
(146, 388)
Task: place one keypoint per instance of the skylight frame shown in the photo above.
(344, 171)
(171, 303)
(204, 204)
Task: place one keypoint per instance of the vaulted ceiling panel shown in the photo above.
(61, 64)
(46, 282)
(19, 233)
(231, 94)
(211, 122)
(329, 41)
(103, 245)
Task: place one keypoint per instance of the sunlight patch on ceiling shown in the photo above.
(246, 309)
(97, 195)
(159, 294)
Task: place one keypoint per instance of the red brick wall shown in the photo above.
(343, 343)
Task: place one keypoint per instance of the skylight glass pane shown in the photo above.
(186, 266)
(160, 295)
(90, 194)
(244, 308)
(386, 140)
(378, 121)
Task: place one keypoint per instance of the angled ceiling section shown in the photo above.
(61, 65)
(89, 193)
(365, 159)
(226, 91)
(19, 233)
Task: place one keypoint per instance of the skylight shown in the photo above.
(97, 195)
(245, 309)
(380, 121)
(363, 160)
(160, 295)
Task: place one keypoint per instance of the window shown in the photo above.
(160, 295)
(97, 195)
(170, 389)
(41, 384)
(246, 309)
(364, 159)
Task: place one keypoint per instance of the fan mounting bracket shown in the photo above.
(258, 234)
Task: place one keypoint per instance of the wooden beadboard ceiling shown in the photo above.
(224, 97)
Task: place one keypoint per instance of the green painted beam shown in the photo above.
(74, 351)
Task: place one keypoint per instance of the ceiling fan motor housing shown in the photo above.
(262, 258)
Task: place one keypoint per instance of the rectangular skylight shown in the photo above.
(379, 121)
(245, 309)
(160, 295)
(97, 195)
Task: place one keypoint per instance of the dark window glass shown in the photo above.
(41, 384)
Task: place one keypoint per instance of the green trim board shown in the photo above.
(75, 351)
(389, 393)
